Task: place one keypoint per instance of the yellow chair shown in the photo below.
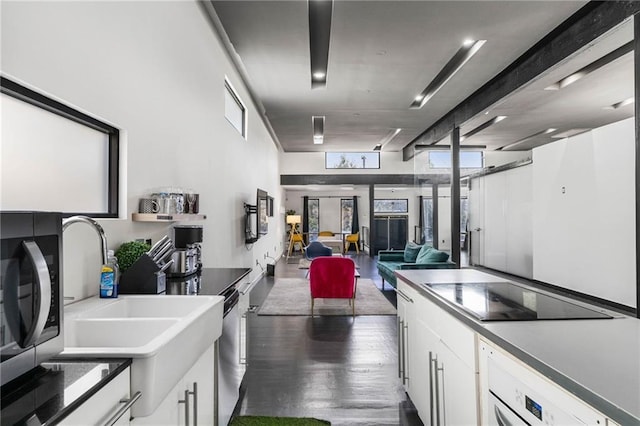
(352, 239)
(295, 238)
(326, 234)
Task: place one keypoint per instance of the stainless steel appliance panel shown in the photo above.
(230, 371)
(30, 291)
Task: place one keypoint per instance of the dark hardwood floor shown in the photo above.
(340, 369)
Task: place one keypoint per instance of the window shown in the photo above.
(313, 206)
(427, 220)
(346, 215)
(47, 145)
(468, 159)
(234, 110)
(391, 206)
(352, 160)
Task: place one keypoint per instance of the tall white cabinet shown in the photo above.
(441, 372)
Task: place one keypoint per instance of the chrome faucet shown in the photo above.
(86, 219)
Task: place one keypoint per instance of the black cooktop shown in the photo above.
(507, 301)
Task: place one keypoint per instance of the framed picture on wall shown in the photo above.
(270, 206)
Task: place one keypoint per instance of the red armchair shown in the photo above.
(333, 278)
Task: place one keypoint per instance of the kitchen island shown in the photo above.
(597, 360)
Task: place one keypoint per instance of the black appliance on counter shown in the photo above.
(508, 301)
(187, 257)
(30, 291)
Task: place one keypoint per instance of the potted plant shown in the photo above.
(129, 252)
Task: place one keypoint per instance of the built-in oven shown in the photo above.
(30, 291)
(515, 395)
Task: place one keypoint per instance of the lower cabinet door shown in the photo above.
(190, 399)
(200, 381)
(425, 345)
(103, 405)
(456, 389)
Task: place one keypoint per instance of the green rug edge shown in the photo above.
(276, 421)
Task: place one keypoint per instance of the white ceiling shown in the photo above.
(383, 53)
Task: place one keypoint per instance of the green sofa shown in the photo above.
(413, 257)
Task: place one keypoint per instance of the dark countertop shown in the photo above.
(598, 360)
(211, 281)
(46, 391)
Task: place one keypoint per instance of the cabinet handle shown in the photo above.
(185, 401)
(500, 418)
(127, 404)
(444, 399)
(401, 294)
(399, 326)
(405, 352)
(195, 403)
(436, 385)
(244, 348)
(431, 390)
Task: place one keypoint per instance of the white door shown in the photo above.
(476, 221)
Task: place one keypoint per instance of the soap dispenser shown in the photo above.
(109, 277)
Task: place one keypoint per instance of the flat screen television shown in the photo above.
(262, 203)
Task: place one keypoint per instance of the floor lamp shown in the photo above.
(294, 235)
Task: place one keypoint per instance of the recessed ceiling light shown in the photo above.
(317, 122)
(620, 104)
(320, 13)
(461, 57)
(599, 63)
(569, 133)
(535, 135)
(483, 126)
(389, 136)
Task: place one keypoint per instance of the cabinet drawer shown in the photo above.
(452, 333)
(103, 404)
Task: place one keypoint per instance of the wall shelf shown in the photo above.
(160, 217)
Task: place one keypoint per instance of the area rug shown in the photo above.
(276, 421)
(290, 296)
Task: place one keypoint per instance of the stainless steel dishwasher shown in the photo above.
(230, 370)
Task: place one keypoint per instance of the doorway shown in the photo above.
(390, 232)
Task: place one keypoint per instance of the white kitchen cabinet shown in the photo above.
(192, 397)
(441, 359)
(104, 404)
(405, 319)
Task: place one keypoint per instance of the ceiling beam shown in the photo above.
(584, 26)
(365, 179)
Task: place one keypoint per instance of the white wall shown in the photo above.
(155, 70)
(584, 213)
(501, 206)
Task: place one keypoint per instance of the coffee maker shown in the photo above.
(187, 258)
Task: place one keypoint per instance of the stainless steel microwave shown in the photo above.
(31, 301)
